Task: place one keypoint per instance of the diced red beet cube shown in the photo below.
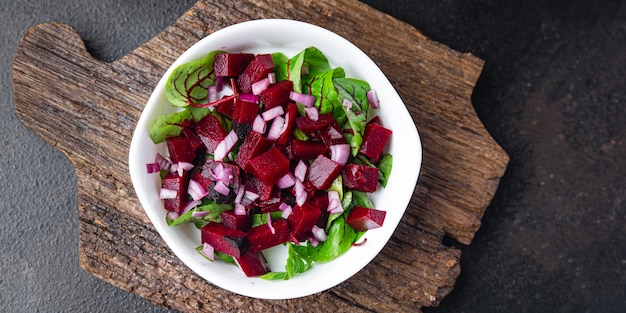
(304, 150)
(224, 239)
(173, 181)
(290, 120)
(210, 131)
(332, 135)
(194, 140)
(180, 149)
(244, 112)
(363, 219)
(269, 166)
(261, 237)
(309, 189)
(263, 190)
(276, 95)
(231, 64)
(269, 207)
(253, 264)
(376, 120)
(374, 141)
(360, 177)
(234, 221)
(257, 69)
(302, 219)
(226, 107)
(254, 144)
(308, 126)
(322, 172)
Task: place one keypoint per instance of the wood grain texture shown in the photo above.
(87, 109)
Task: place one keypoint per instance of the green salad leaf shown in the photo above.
(355, 91)
(169, 125)
(214, 214)
(341, 236)
(384, 166)
(188, 83)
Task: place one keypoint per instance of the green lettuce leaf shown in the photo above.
(341, 236)
(215, 214)
(355, 91)
(384, 168)
(321, 86)
(188, 83)
(169, 125)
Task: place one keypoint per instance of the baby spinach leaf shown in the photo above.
(360, 198)
(214, 214)
(321, 86)
(188, 83)
(301, 67)
(341, 236)
(355, 91)
(384, 167)
(169, 125)
(298, 261)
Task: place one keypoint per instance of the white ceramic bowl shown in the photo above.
(289, 37)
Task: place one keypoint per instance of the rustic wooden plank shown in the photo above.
(87, 109)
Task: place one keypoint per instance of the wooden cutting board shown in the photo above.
(87, 109)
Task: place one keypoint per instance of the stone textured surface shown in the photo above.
(551, 93)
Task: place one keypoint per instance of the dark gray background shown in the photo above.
(552, 93)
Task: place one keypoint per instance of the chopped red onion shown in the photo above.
(271, 77)
(283, 206)
(301, 194)
(314, 242)
(190, 205)
(249, 97)
(224, 147)
(221, 188)
(340, 153)
(240, 193)
(319, 233)
(312, 113)
(259, 125)
(172, 215)
(240, 209)
(372, 97)
(165, 193)
(277, 128)
(273, 113)
(199, 214)
(196, 190)
(269, 224)
(306, 100)
(180, 167)
(286, 181)
(347, 103)
(164, 163)
(153, 168)
(261, 85)
(286, 212)
(300, 171)
(212, 93)
(334, 203)
(208, 251)
(249, 197)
